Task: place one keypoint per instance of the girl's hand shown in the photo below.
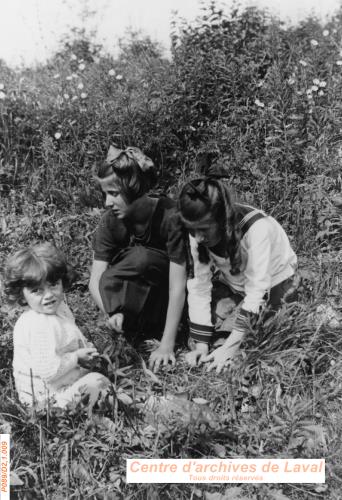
(116, 322)
(86, 354)
(221, 356)
(198, 355)
(161, 356)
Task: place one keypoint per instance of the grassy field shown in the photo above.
(266, 100)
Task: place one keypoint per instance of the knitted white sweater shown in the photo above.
(44, 358)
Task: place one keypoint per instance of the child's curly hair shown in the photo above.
(29, 267)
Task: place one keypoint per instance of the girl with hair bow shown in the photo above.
(138, 275)
(253, 258)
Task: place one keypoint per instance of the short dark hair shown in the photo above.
(31, 266)
(134, 182)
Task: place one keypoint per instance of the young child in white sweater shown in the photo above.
(252, 256)
(49, 349)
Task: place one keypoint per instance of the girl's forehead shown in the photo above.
(110, 182)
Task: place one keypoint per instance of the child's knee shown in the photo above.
(95, 380)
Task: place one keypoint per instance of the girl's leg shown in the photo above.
(136, 284)
(284, 292)
(225, 306)
(92, 385)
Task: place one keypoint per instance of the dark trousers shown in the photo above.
(136, 284)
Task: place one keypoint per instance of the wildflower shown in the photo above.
(320, 93)
(84, 95)
(192, 128)
(322, 84)
(73, 57)
(81, 67)
(315, 81)
(291, 81)
(69, 77)
(260, 84)
(80, 86)
(74, 75)
(74, 98)
(119, 77)
(111, 72)
(309, 92)
(339, 63)
(58, 135)
(326, 33)
(303, 63)
(259, 103)
(314, 43)
(314, 88)
(2, 86)
(57, 75)
(66, 96)
(2, 94)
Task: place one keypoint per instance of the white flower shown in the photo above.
(314, 88)
(326, 33)
(259, 103)
(58, 135)
(309, 91)
(192, 128)
(66, 96)
(84, 95)
(57, 75)
(119, 77)
(2, 86)
(111, 72)
(81, 67)
(2, 94)
(315, 81)
(73, 57)
(291, 81)
(74, 98)
(303, 63)
(314, 43)
(80, 86)
(260, 84)
(339, 63)
(69, 77)
(320, 93)
(74, 75)
(323, 84)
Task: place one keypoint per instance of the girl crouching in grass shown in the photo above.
(253, 258)
(138, 275)
(49, 349)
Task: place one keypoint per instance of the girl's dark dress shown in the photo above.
(136, 281)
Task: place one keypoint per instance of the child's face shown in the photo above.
(206, 231)
(45, 298)
(114, 198)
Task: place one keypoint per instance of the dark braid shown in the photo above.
(232, 233)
